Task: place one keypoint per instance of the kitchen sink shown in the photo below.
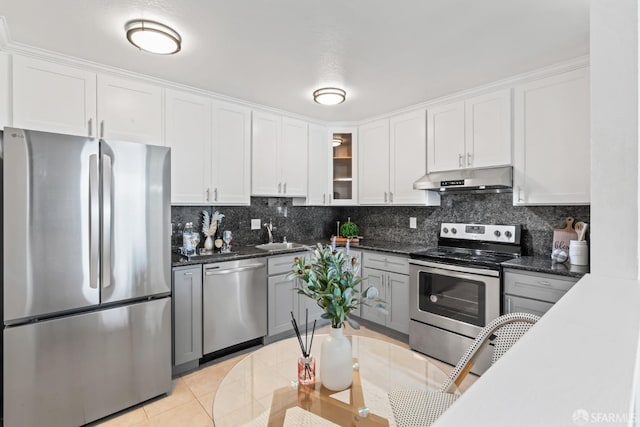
(279, 246)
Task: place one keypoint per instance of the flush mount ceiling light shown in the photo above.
(329, 96)
(337, 141)
(153, 37)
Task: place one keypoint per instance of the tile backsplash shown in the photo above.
(391, 223)
(296, 223)
(538, 222)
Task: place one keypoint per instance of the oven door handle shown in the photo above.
(452, 270)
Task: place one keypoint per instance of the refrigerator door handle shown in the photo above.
(94, 221)
(106, 220)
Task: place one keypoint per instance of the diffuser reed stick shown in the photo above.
(305, 347)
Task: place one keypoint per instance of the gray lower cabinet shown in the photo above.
(389, 274)
(283, 298)
(532, 292)
(187, 314)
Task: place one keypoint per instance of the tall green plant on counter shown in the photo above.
(331, 279)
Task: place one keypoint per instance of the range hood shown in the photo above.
(488, 180)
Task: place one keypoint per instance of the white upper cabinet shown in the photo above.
(129, 110)
(408, 160)
(373, 163)
(470, 134)
(266, 134)
(318, 166)
(292, 156)
(445, 137)
(188, 133)
(63, 99)
(279, 156)
(391, 156)
(210, 144)
(552, 141)
(231, 151)
(488, 130)
(54, 98)
(343, 170)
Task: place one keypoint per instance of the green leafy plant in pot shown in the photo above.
(349, 230)
(331, 279)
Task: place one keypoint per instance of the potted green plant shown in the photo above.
(331, 279)
(349, 229)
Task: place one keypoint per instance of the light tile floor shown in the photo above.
(191, 398)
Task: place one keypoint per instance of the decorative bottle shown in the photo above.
(217, 241)
(187, 239)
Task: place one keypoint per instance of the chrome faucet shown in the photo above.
(269, 227)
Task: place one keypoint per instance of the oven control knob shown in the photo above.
(453, 230)
(445, 230)
(497, 233)
(508, 234)
(433, 298)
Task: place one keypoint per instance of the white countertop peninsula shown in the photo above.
(577, 366)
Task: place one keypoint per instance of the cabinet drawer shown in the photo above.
(382, 261)
(544, 287)
(282, 264)
(513, 304)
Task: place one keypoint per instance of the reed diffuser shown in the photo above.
(306, 362)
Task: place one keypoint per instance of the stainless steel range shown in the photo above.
(455, 288)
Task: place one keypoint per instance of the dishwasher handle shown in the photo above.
(215, 272)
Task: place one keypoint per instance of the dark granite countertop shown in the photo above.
(239, 252)
(542, 264)
(245, 251)
(389, 247)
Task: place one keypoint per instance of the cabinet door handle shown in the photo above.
(207, 195)
(188, 274)
(284, 188)
(90, 126)
(390, 197)
(324, 197)
(519, 194)
(544, 283)
(508, 305)
(468, 159)
(459, 160)
(101, 128)
(279, 187)
(385, 197)
(215, 194)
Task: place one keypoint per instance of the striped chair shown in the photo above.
(417, 408)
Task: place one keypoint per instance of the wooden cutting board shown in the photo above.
(562, 236)
(342, 241)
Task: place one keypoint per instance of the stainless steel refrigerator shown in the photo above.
(86, 276)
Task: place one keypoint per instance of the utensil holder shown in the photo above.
(578, 252)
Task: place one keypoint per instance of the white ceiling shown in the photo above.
(387, 54)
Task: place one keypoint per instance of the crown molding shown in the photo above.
(10, 46)
(560, 67)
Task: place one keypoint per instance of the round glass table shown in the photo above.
(262, 389)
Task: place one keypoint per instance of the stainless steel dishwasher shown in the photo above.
(234, 303)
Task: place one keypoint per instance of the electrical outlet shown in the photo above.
(413, 222)
(255, 224)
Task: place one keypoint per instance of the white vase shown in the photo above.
(208, 243)
(336, 363)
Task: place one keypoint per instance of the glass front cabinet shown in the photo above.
(344, 173)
